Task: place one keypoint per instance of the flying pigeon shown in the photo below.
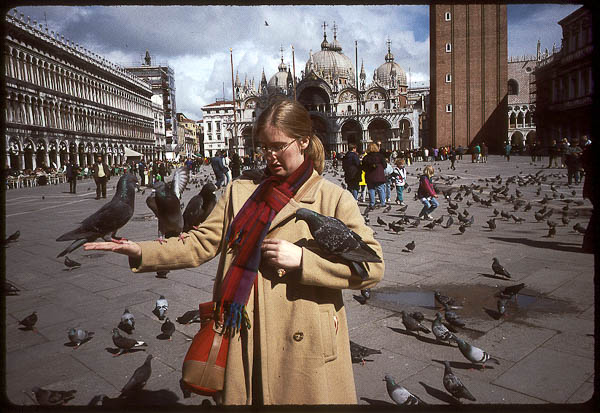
(125, 343)
(107, 220)
(140, 376)
(71, 264)
(52, 397)
(79, 336)
(439, 330)
(359, 352)
(199, 207)
(454, 386)
(399, 394)
(29, 321)
(499, 269)
(168, 328)
(266, 24)
(410, 246)
(168, 204)
(474, 354)
(334, 237)
(127, 323)
(189, 317)
(161, 307)
(413, 325)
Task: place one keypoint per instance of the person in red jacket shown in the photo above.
(427, 194)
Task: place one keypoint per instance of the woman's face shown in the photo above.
(284, 154)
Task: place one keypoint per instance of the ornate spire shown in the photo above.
(363, 75)
(324, 43)
(389, 57)
(147, 59)
(237, 79)
(282, 66)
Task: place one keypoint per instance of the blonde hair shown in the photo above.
(399, 162)
(372, 147)
(293, 120)
(429, 171)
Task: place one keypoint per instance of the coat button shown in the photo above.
(298, 336)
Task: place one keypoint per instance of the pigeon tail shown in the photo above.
(76, 244)
(359, 269)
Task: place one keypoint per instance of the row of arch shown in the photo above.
(31, 153)
(520, 139)
(520, 119)
(31, 110)
(28, 67)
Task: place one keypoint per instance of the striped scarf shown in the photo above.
(246, 234)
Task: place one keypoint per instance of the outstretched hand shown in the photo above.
(129, 248)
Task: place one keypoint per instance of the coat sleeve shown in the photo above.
(200, 245)
(319, 271)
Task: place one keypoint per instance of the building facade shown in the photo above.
(564, 86)
(521, 125)
(342, 111)
(468, 72)
(63, 102)
(190, 141)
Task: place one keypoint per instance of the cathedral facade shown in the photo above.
(344, 108)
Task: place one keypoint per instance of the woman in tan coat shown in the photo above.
(297, 348)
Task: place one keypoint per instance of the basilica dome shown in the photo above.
(385, 72)
(330, 62)
(279, 80)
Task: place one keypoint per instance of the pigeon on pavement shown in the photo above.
(12, 237)
(79, 336)
(107, 220)
(71, 264)
(381, 222)
(413, 325)
(512, 290)
(189, 317)
(410, 246)
(439, 330)
(127, 323)
(366, 293)
(334, 237)
(168, 328)
(125, 343)
(454, 385)
(579, 228)
(29, 321)
(399, 394)
(161, 307)
(445, 300)
(52, 397)
(199, 207)
(499, 269)
(462, 228)
(168, 204)
(449, 222)
(140, 376)
(452, 317)
(491, 224)
(501, 305)
(474, 354)
(359, 352)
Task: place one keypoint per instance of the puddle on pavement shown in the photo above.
(478, 301)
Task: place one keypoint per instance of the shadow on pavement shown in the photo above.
(440, 395)
(493, 276)
(375, 402)
(553, 245)
(143, 398)
(424, 339)
(461, 365)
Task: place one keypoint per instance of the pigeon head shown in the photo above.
(305, 214)
(389, 379)
(495, 260)
(148, 358)
(208, 189)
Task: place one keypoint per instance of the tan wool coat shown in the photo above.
(297, 350)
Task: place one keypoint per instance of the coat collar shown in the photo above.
(307, 194)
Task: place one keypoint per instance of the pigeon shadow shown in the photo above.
(162, 336)
(493, 276)
(461, 365)
(142, 397)
(424, 339)
(493, 313)
(72, 268)
(362, 300)
(113, 351)
(26, 328)
(440, 395)
(554, 245)
(71, 344)
(375, 402)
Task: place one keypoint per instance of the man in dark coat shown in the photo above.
(71, 172)
(352, 171)
(218, 168)
(101, 173)
(142, 172)
(374, 165)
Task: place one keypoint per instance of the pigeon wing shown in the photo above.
(180, 180)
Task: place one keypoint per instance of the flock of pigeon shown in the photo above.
(331, 235)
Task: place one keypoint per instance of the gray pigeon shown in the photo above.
(444, 300)
(474, 354)
(29, 321)
(399, 394)
(79, 336)
(334, 237)
(410, 246)
(161, 307)
(511, 291)
(499, 269)
(140, 376)
(52, 397)
(452, 317)
(168, 198)
(413, 325)
(501, 304)
(167, 328)
(127, 323)
(107, 220)
(454, 386)
(439, 330)
(358, 352)
(449, 222)
(189, 317)
(199, 207)
(125, 343)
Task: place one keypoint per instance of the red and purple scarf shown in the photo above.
(246, 233)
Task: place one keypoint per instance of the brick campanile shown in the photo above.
(469, 74)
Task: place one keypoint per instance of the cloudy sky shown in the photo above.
(195, 40)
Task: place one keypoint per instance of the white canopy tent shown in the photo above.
(130, 153)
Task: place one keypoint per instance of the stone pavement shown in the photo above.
(545, 345)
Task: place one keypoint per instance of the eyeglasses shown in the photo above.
(275, 149)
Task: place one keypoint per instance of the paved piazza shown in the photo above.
(545, 345)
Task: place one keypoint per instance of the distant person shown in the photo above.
(216, 162)
(427, 194)
(374, 165)
(226, 163)
(142, 172)
(460, 151)
(507, 150)
(553, 152)
(484, 152)
(71, 173)
(399, 180)
(101, 174)
(452, 157)
(352, 171)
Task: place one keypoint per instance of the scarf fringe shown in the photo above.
(235, 317)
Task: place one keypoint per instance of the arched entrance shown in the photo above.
(247, 139)
(380, 130)
(63, 151)
(81, 152)
(53, 154)
(315, 99)
(14, 150)
(530, 137)
(516, 140)
(405, 132)
(351, 132)
(73, 152)
(321, 130)
(29, 155)
(40, 154)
